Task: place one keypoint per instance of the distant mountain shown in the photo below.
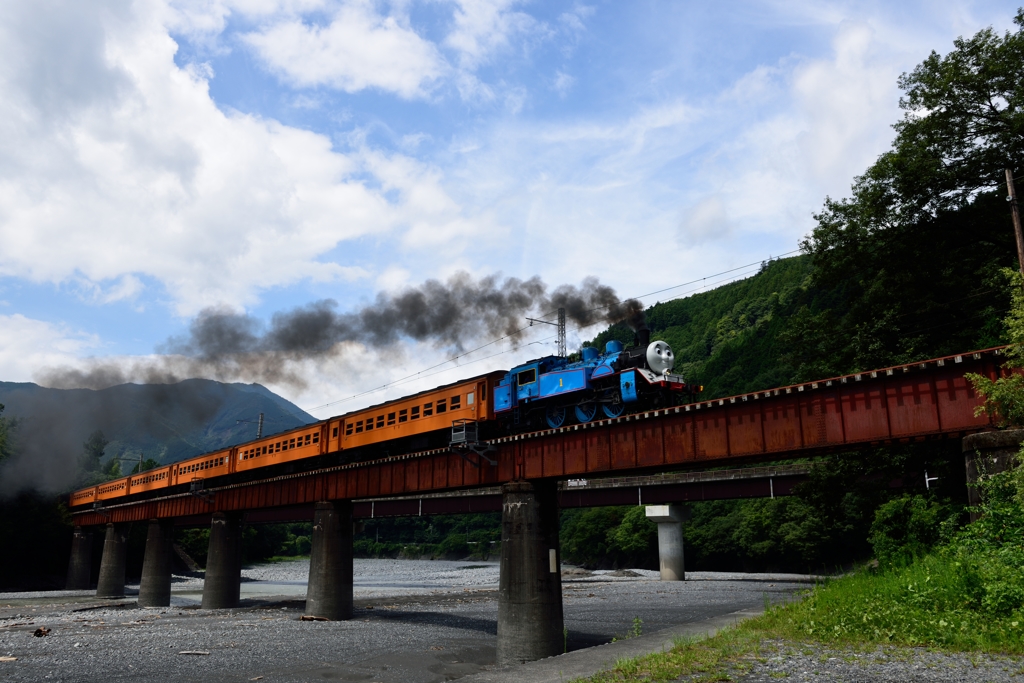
(165, 422)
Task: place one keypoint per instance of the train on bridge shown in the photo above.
(548, 392)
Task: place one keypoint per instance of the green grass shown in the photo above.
(937, 602)
(283, 558)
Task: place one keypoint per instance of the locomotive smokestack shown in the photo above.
(643, 336)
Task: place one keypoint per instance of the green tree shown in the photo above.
(6, 429)
(93, 451)
(112, 470)
(145, 466)
(1004, 396)
(906, 528)
(913, 256)
(635, 538)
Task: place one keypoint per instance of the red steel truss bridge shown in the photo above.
(923, 400)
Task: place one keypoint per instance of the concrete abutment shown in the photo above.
(329, 591)
(988, 453)
(530, 583)
(223, 582)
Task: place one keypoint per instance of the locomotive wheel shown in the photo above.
(586, 412)
(613, 409)
(555, 416)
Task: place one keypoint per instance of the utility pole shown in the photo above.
(562, 352)
(561, 333)
(259, 425)
(1015, 210)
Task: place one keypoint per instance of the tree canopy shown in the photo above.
(914, 253)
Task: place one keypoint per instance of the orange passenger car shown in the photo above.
(203, 467)
(151, 480)
(304, 442)
(427, 411)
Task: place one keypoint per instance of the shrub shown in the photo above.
(905, 528)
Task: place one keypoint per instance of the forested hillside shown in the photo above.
(797, 320)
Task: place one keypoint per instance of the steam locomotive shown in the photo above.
(552, 390)
(547, 392)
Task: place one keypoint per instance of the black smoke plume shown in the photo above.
(49, 427)
(228, 346)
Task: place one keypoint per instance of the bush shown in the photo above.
(453, 547)
(906, 528)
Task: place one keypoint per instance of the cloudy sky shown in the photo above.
(160, 158)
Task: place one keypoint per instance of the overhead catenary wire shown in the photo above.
(439, 367)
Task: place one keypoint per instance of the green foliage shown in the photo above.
(449, 536)
(112, 470)
(6, 428)
(93, 451)
(195, 543)
(906, 528)
(914, 254)
(1004, 396)
(145, 466)
(609, 537)
(727, 338)
(964, 124)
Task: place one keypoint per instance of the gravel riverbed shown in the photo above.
(415, 621)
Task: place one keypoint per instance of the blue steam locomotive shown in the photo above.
(554, 391)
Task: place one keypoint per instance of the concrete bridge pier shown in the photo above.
(80, 564)
(155, 587)
(111, 582)
(223, 583)
(669, 519)
(329, 592)
(530, 580)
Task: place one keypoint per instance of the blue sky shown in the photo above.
(159, 158)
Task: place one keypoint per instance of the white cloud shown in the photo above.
(563, 83)
(707, 220)
(357, 49)
(116, 165)
(27, 345)
(484, 28)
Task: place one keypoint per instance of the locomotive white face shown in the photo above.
(660, 358)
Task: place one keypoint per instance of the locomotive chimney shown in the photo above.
(643, 335)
